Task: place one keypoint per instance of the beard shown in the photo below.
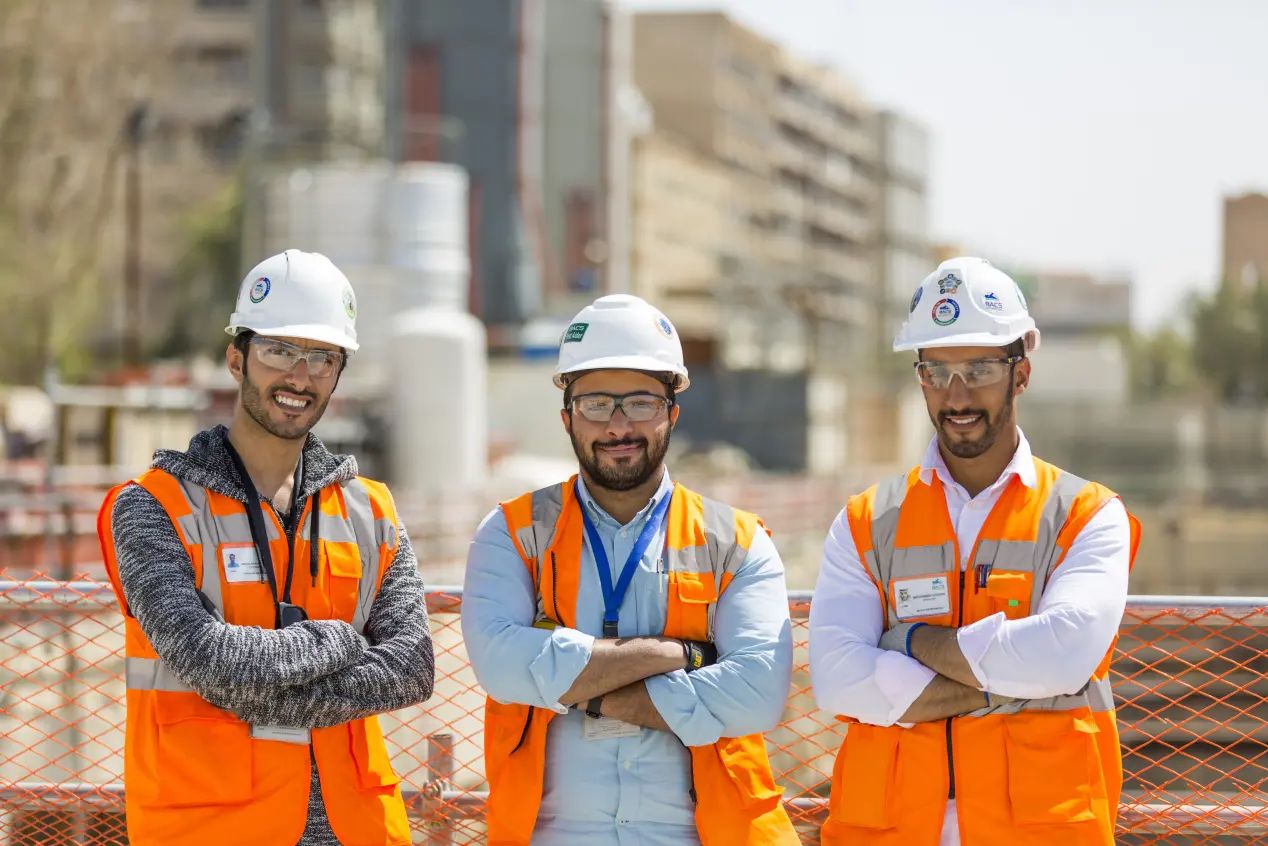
(995, 425)
(623, 474)
(257, 403)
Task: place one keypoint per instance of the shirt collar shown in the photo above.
(1022, 464)
(600, 516)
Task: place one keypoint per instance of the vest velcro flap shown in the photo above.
(694, 587)
(204, 754)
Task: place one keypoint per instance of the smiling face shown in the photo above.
(620, 454)
(970, 421)
(284, 403)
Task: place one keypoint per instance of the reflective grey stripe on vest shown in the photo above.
(207, 531)
(370, 535)
(1098, 696)
(887, 562)
(535, 538)
(151, 674)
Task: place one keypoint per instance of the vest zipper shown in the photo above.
(950, 745)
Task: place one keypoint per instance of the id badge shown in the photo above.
(608, 728)
(921, 596)
(282, 734)
(241, 563)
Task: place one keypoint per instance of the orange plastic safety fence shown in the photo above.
(1190, 677)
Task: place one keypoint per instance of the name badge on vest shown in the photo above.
(921, 596)
(608, 728)
(283, 734)
(241, 563)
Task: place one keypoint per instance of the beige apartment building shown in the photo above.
(793, 148)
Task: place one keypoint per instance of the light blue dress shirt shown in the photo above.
(629, 791)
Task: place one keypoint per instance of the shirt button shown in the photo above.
(629, 765)
(623, 822)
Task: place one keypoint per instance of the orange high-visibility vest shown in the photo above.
(192, 773)
(737, 802)
(1047, 776)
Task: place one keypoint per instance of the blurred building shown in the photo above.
(798, 146)
(903, 253)
(1085, 320)
(1245, 255)
(781, 219)
(526, 95)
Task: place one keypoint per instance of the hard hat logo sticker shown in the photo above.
(260, 289)
(946, 311)
(949, 284)
(663, 324)
(915, 299)
(575, 333)
(350, 304)
(992, 302)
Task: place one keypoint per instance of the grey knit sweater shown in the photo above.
(317, 673)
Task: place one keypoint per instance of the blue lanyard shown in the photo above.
(614, 596)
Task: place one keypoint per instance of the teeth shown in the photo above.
(964, 420)
(291, 403)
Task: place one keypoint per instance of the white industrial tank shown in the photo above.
(439, 418)
(399, 232)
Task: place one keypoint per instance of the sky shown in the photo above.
(1075, 135)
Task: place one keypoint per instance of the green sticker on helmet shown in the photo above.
(575, 332)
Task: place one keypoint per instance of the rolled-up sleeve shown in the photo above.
(744, 692)
(513, 660)
(1055, 650)
(850, 674)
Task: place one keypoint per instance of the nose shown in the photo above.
(619, 426)
(958, 393)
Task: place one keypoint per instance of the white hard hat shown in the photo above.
(967, 303)
(621, 332)
(297, 295)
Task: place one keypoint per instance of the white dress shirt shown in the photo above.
(1049, 653)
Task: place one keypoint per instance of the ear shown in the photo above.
(1021, 377)
(233, 360)
(673, 415)
(566, 419)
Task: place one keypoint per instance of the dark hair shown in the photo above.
(241, 342)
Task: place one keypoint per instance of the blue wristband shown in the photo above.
(987, 694)
(910, 632)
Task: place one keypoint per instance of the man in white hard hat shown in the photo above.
(966, 610)
(632, 635)
(271, 599)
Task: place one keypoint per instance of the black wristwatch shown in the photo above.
(592, 708)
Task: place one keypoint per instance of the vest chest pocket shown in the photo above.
(204, 754)
(1009, 592)
(690, 595)
(343, 578)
